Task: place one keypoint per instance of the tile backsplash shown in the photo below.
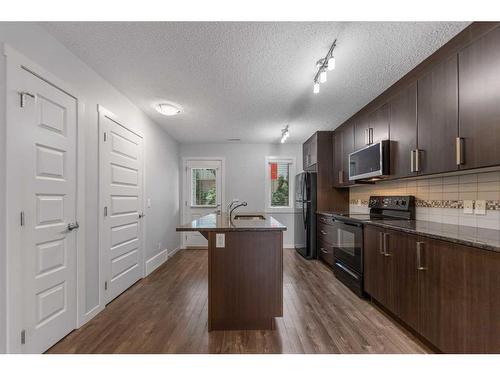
(441, 199)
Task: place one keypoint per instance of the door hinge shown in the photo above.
(105, 285)
(106, 211)
(105, 137)
(23, 337)
(22, 219)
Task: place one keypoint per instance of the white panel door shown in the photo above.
(202, 195)
(121, 167)
(48, 140)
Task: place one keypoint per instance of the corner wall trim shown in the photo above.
(156, 261)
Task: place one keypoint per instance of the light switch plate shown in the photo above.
(468, 207)
(220, 240)
(480, 207)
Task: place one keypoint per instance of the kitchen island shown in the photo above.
(245, 269)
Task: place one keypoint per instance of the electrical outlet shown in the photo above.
(220, 240)
(480, 207)
(468, 207)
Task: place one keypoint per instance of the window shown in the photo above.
(203, 187)
(280, 175)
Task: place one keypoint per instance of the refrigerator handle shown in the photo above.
(304, 200)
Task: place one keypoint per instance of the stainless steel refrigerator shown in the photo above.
(305, 215)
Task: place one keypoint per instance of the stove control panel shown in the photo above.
(392, 202)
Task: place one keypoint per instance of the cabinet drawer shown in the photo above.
(326, 233)
(325, 219)
(325, 252)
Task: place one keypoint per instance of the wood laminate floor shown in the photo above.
(167, 313)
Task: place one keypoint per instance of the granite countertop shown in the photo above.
(221, 223)
(487, 239)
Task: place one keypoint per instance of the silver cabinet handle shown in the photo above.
(341, 177)
(367, 141)
(323, 232)
(370, 136)
(381, 243)
(459, 145)
(417, 160)
(419, 256)
(412, 161)
(323, 250)
(72, 226)
(386, 253)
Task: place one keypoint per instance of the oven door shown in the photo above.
(349, 245)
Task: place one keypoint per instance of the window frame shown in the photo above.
(291, 183)
(191, 189)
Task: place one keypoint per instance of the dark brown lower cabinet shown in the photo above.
(448, 293)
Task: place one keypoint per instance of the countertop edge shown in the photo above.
(460, 241)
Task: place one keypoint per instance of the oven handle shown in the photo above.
(352, 224)
(341, 266)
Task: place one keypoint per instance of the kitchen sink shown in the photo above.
(249, 217)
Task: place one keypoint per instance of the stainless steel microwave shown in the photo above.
(370, 162)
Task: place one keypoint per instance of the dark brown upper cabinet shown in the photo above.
(438, 118)
(310, 153)
(479, 102)
(372, 128)
(343, 145)
(403, 131)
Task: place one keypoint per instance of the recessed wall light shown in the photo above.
(168, 109)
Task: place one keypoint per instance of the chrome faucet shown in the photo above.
(242, 204)
(230, 205)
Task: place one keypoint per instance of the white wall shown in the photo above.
(161, 154)
(3, 260)
(245, 173)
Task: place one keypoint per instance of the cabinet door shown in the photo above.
(442, 285)
(379, 123)
(482, 300)
(479, 101)
(347, 148)
(338, 177)
(375, 278)
(403, 131)
(361, 128)
(313, 149)
(403, 298)
(306, 152)
(438, 118)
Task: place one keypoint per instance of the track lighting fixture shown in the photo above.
(284, 134)
(324, 64)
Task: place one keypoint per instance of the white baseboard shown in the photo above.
(289, 246)
(156, 261)
(172, 253)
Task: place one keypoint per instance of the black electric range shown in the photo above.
(348, 234)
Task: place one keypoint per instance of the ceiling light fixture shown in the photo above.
(285, 133)
(324, 64)
(168, 109)
(316, 87)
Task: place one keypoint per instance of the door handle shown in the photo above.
(22, 98)
(419, 256)
(141, 215)
(73, 226)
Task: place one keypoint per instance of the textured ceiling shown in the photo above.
(248, 80)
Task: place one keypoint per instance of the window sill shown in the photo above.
(280, 210)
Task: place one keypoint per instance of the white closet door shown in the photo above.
(121, 196)
(48, 140)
